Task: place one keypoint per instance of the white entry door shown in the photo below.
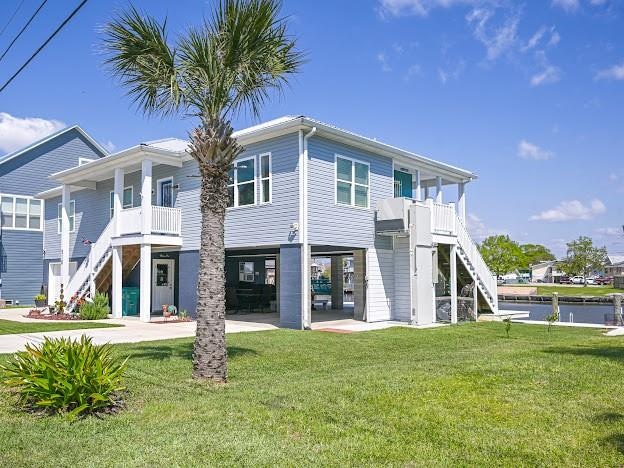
(54, 280)
(162, 283)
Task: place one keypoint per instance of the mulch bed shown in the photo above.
(35, 314)
(334, 330)
(162, 322)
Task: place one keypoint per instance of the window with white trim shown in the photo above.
(71, 214)
(242, 183)
(23, 213)
(127, 200)
(265, 178)
(352, 182)
(246, 272)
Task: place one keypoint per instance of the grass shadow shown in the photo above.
(616, 354)
(165, 352)
(616, 441)
(608, 417)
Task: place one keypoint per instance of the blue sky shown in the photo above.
(529, 95)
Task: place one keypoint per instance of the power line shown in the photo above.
(56, 31)
(23, 29)
(12, 16)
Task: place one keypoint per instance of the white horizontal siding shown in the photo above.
(401, 309)
(380, 284)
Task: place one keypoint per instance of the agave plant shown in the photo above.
(230, 64)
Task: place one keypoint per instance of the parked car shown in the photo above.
(500, 281)
(577, 280)
(604, 280)
(564, 280)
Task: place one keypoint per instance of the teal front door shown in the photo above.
(402, 184)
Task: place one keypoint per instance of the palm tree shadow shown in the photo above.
(616, 441)
(609, 352)
(608, 417)
(185, 351)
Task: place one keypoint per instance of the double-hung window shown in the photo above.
(71, 214)
(352, 182)
(265, 178)
(242, 182)
(20, 212)
(127, 200)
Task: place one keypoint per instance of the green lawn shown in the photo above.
(8, 327)
(578, 291)
(462, 395)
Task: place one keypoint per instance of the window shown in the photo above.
(165, 192)
(71, 214)
(20, 212)
(265, 178)
(352, 180)
(242, 183)
(246, 271)
(127, 200)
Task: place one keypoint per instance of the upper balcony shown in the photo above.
(164, 221)
(393, 216)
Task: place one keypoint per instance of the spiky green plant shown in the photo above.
(67, 376)
(96, 309)
(229, 65)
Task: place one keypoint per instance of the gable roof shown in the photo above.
(615, 259)
(52, 136)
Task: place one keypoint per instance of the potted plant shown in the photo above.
(40, 300)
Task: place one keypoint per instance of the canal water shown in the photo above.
(588, 313)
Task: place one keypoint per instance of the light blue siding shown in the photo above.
(340, 225)
(21, 265)
(27, 174)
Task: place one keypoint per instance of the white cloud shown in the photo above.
(478, 230)
(610, 231)
(418, 7)
(567, 5)
(110, 146)
(527, 150)
(548, 74)
(413, 71)
(452, 72)
(383, 61)
(616, 72)
(571, 210)
(16, 132)
(497, 40)
(542, 33)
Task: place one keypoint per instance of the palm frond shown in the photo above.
(139, 55)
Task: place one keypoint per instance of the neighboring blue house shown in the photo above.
(23, 174)
(301, 189)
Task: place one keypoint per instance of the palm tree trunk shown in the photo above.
(209, 353)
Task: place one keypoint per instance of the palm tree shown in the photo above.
(231, 64)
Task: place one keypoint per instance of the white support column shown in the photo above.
(461, 201)
(117, 198)
(416, 190)
(438, 197)
(145, 309)
(65, 199)
(117, 283)
(146, 196)
(453, 283)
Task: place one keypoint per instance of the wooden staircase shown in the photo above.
(131, 254)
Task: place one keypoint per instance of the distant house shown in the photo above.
(545, 272)
(614, 265)
(23, 174)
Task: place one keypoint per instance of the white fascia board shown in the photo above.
(101, 169)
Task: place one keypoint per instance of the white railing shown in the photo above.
(130, 221)
(481, 270)
(166, 220)
(99, 250)
(443, 218)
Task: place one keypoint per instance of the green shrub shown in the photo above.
(95, 310)
(66, 376)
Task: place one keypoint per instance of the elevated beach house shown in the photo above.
(301, 189)
(23, 174)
